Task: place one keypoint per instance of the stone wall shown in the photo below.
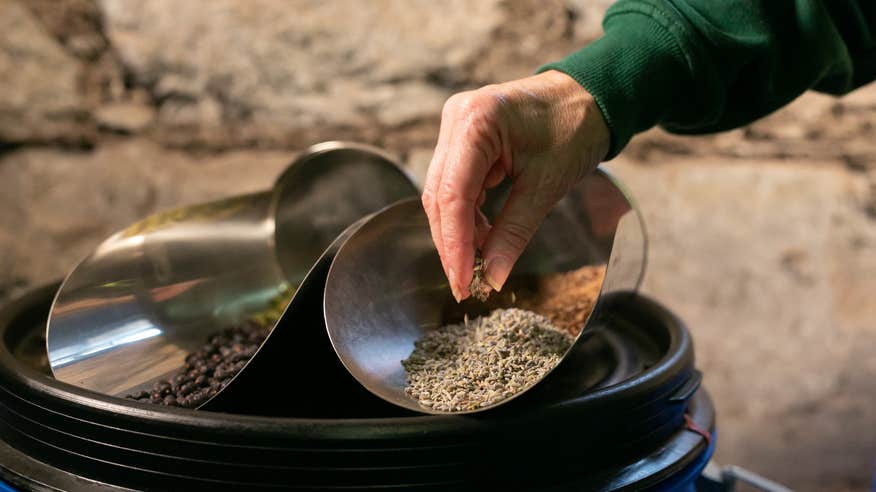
(763, 239)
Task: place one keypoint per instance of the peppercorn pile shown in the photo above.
(208, 369)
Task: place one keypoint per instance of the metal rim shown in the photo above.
(624, 191)
(634, 205)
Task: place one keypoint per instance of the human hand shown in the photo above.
(544, 132)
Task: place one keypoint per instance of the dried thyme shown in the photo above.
(479, 287)
(469, 366)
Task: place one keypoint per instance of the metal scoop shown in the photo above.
(129, 314)
(386, 287)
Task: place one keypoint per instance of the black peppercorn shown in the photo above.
(207, 369)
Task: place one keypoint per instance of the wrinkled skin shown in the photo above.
(544, 133)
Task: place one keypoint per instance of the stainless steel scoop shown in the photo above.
(386, 287)
(128, 315)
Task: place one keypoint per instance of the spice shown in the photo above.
(479, 287)
(208, 369)
(464, 367)
(211, 367)
(277, 305)
(564, 298)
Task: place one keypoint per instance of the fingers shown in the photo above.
(474, 148)
(511, 232)
(494, 177)
(468, 146)
(482, 229)
(433, 181)
(481, 133)
(482, 225)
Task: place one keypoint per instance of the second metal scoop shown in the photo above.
(129, 314)
(386, 287)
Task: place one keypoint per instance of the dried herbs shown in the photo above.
(479, 288)
(565, 298)
(476, 364)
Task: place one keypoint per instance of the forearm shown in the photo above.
(698, 66)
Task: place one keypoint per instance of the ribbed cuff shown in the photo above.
(634, 72)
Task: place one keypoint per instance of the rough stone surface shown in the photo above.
(587, 15)
(815, 127)
(124, 117)
(253, 67)
(77, 25)
(56, 206)
(39, 101)
(773, 268)
(74, 23)
(417, 162)
(763, 238)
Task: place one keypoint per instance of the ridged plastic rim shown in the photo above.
(679, 352)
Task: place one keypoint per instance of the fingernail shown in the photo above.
(451, 278)
(497, 270)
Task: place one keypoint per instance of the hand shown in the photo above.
(544, 132)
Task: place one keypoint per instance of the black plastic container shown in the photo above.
(612, 419)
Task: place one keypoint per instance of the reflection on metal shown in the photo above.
(130, 333)
(386, 286)
(152, 293)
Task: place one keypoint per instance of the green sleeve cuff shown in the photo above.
(635, 72)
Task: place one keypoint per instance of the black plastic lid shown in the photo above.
(629, 386)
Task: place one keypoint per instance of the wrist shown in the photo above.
(591, 130)
(637, 72)
(576, 107)
(564, 113)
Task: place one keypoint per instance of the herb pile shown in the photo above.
(476, 364)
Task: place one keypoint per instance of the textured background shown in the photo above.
(763, 239)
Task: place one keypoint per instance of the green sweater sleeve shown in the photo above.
(700, 66)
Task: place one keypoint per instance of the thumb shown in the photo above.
(520, 217)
